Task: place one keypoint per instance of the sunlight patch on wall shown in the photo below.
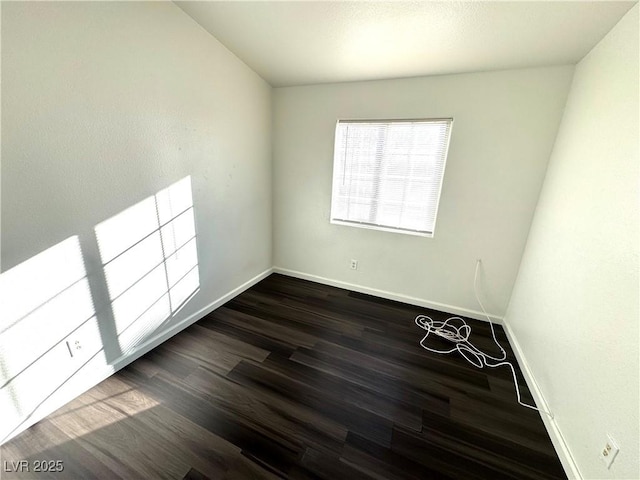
(150, 260)
(45, 305)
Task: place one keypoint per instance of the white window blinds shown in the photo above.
(388, 174)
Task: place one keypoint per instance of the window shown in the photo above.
(387, 174)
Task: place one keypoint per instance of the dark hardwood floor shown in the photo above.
(293, 379)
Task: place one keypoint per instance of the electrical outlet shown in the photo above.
(609, 451)
(74, 347)
(354, 264)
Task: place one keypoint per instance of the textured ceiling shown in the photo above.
(297, 43)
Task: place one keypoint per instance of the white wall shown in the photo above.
(0, 142)
(107, 103)
(504, 128)
(574, 309)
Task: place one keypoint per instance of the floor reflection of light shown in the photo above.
(97, 412)
(45, 305)
(150, 259)
(113, 393)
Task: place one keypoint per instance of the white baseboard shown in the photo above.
(93, 373)
(420, 302)
(190, 320)
(553, 430)
(559, 443)
(105, 371)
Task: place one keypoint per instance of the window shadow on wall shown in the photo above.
(56, 319)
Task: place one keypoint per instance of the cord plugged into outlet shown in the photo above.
(457, 332)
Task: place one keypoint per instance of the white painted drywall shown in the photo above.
(504, 127)
(574, 308)
(304, 43)
(0, 140)
(107, 103)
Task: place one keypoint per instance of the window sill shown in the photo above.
(369, 226)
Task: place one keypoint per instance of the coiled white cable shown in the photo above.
(457, 331)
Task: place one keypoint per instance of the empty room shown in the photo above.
(319, 240)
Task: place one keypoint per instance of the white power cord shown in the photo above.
(456, 331)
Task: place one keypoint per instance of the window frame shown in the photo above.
(387, 228)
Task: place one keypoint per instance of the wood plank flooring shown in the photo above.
(293, 379)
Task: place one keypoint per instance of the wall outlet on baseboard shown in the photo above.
(609, 451)
(354, 264)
